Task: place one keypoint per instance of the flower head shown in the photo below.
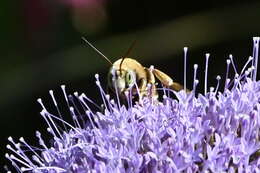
(212, 132)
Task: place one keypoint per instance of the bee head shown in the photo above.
(121, 79)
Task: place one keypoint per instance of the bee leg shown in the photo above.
(167, 80)
(151, 81)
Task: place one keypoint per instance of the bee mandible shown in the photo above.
(128, 74)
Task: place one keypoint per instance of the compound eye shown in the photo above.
(110, 77)
(130, 78)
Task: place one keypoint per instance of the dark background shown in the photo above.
(42, 48)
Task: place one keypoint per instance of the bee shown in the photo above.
(127, 76)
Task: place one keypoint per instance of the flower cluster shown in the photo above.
(212, 132)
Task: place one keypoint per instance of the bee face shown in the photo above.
(121, 80)
(123, 77)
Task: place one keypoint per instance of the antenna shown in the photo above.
(84, 39)
(126, 54)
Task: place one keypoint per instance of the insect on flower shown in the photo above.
(127, 76)
(216, 131)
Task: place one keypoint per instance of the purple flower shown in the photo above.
(214, 132)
